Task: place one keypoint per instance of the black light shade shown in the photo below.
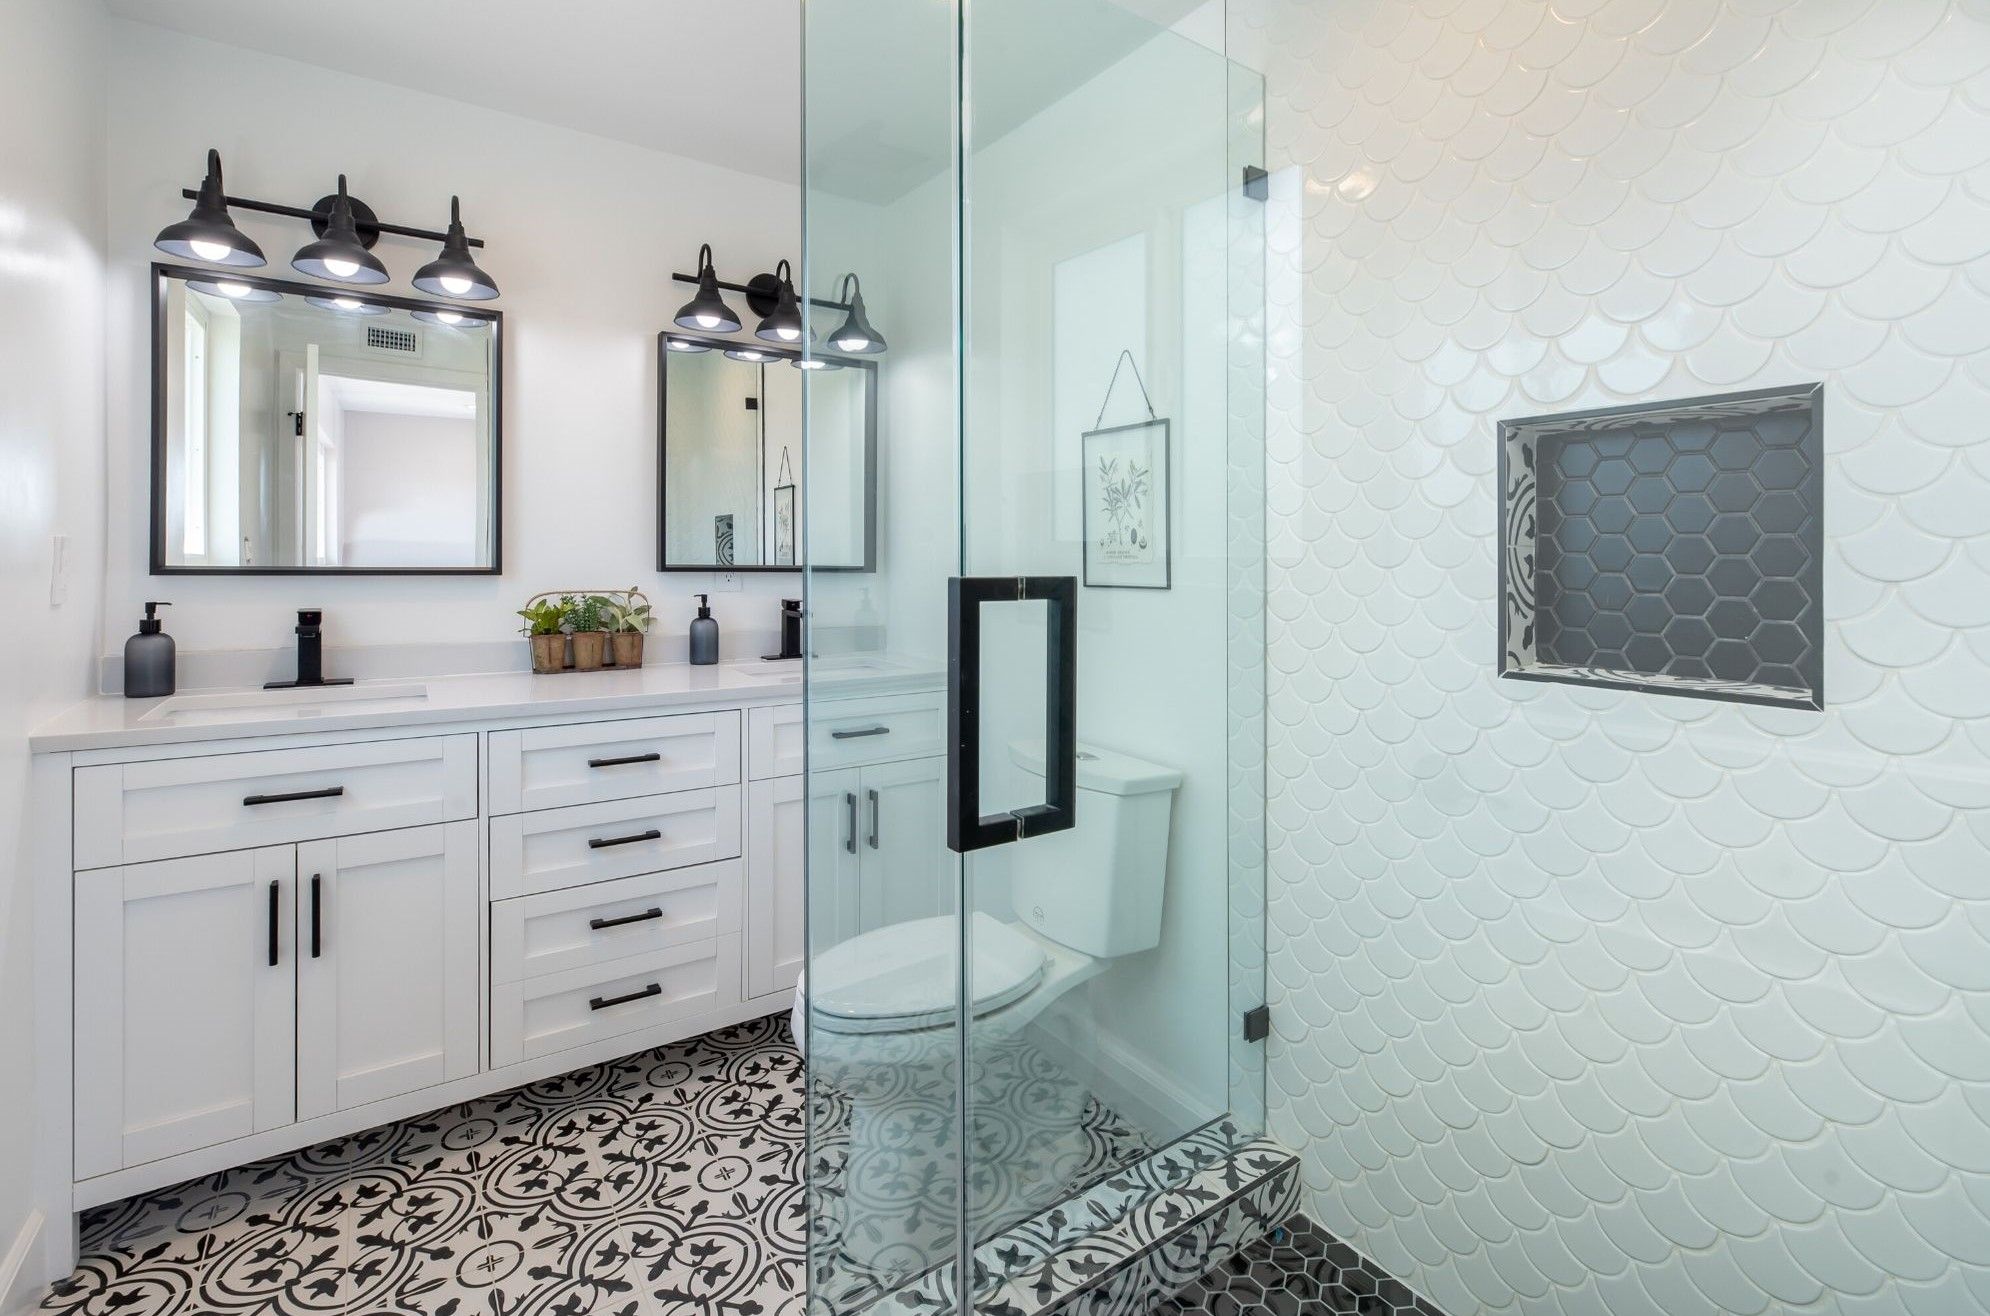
(784, 324)
(686, 345)
(208, 234)
(752, 355)
(233, 291)
(454, 273)
(815, 363)
(856, 333)
(707, 311)
(340, 255)
(453, 319)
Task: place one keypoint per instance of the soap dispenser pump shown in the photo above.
(704, 634)
(149, 658)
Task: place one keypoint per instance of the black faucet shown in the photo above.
(791, 631)
(310, 654)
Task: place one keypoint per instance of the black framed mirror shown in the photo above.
(729, 458)
(303, 429)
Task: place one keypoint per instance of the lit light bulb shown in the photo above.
(210, 251)
(341, 269)
(708, 321)
(788, 334)
(449, 317)
(853, 344)
(346, 303)
(455, 284)
(232, 289)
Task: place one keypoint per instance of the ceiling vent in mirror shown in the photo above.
(399, 342)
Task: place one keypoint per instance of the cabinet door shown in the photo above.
(787, 823)
(386, 965)
(902, 814)
(185, 987)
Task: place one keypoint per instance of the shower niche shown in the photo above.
(1669, 547)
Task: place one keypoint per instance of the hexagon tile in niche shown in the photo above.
(1673, 547)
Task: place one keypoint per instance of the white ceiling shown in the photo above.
(716, 80)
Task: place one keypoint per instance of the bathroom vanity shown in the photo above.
(292, 915)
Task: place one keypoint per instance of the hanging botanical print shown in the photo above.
(784, 514)
(722, 539)
(1126, 506)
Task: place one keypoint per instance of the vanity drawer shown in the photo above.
(774, 746)
(129, 813)
(551, 767)
(558, 848)
(588, 925)
(559, 1011)
(847, 732)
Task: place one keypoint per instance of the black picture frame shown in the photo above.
(162, 272)
(1163, 499)
(717, 344)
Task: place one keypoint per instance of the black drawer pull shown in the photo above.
(317, 917)
(599, 923)
(603, 842)
(625, 760)
(603, 1002)
(328, 793)
(858, 733)
(273, 899)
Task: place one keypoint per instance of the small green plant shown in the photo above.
(630, 614)
(543, 617)
(584, 613)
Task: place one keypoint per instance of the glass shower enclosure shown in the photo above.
(1034, 794)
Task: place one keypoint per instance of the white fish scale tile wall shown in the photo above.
(1596, 1003)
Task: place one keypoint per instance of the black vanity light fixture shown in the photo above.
(208, 234)
(454, 273)
(339, 253)
(856, 333)
(783, 324)
(708, 310)
(234, 291)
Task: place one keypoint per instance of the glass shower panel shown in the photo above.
(1102, 190)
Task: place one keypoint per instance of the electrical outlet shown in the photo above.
(725, 582)
(58, 571)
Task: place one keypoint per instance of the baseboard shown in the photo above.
(21, 1282)
(1136, 1091)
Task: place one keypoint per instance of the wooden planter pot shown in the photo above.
(549, 653)
(626, 648)
(590, 650)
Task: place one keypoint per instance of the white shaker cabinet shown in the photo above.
(185, 989)
(386, 965)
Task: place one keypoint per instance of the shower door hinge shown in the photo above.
(1257, 183)
(1257, 1023)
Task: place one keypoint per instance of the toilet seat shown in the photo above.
(901, 978)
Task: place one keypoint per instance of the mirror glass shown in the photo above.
(303, 429)
(732, 459)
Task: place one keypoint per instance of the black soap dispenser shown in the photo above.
(704, 634)
(150, 660)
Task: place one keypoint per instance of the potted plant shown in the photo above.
(543, 620)
(628, 618)
(586, 624)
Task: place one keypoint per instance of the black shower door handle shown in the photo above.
(967, 828)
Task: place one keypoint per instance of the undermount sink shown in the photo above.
(235, 705)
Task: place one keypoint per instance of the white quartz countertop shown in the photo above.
(112, 721)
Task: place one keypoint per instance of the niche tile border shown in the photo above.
(1751, 461)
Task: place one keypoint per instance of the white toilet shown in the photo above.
(1081, 897)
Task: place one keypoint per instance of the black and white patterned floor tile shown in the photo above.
(669, 1183)
(1298, 1269)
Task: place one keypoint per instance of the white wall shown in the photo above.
(583, 235)
(409, 489)
(51, 477)
(1595, 1002)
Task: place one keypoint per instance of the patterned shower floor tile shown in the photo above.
(1297, 1270)
(667, 1183)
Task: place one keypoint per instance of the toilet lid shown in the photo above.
(902, 976)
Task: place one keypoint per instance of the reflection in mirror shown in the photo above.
(731, 458)
(304, 429)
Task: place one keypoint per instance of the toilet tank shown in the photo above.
(1097, 887)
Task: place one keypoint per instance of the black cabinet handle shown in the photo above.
(859, 733)
(603, 1002)
(603, 842)
(967, 828)
(599, 923)
(317, 917)
(625, 760)
(328, 793)
(273, 900)
(850, 822)
(874, 818)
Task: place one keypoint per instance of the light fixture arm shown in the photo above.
(823, 302)
(363, 223)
